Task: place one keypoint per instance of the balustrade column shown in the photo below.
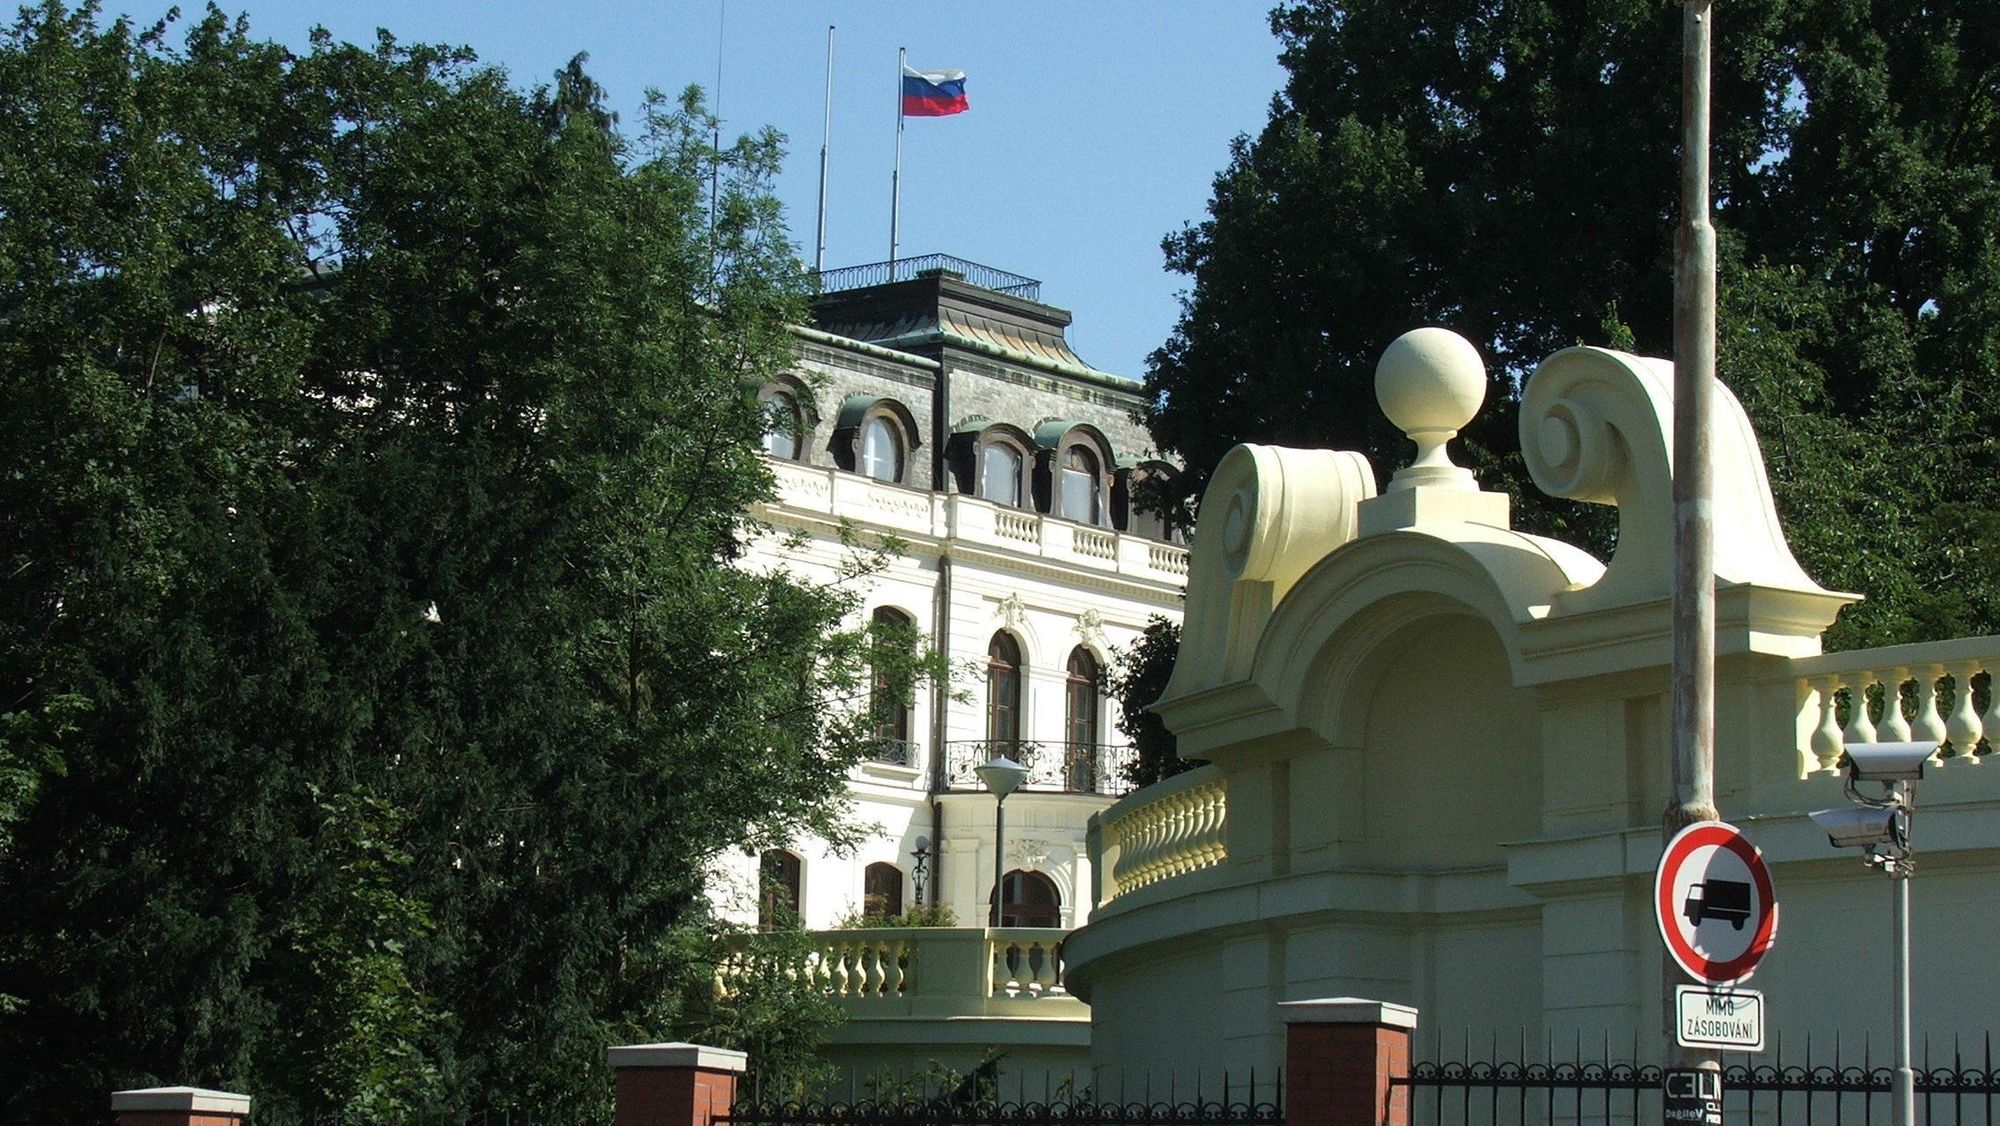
(1894, 728)
(1962, 727)
(1929, 726)
(1825, 741)
(1860, 729)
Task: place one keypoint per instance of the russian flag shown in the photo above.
(933, 93)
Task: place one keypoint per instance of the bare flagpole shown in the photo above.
(1693, 487)
(825, 138)
(896, 177)
(715, 137)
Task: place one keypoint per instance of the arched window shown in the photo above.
(881, 892)
(778, 895)
(1003, 694)
(881, 449)
(1081, 492)
(1083, 702)
(1031, 900)
(784, 426)
(1000, 473)
(889, 694)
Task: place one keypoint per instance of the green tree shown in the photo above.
(1509, 170)
(1139, 676)
(377, 441)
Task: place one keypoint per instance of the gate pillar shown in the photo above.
(179, 1106)
(673, 1084)
(1341, 1057)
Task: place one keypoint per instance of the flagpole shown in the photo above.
(715, 134)
(896, 177)
(825, 138)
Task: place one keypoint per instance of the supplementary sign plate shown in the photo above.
(1719, 1018)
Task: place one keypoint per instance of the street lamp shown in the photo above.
(1882, 826)
(919, 861)
(1001, 776)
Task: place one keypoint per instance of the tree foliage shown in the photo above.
(1510, 170)
(375, 685)
(1139, 677)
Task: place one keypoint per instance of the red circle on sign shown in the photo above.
(1716, 834)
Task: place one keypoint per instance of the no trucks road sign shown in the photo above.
(1712, 897)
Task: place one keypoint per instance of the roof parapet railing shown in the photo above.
(907, 269)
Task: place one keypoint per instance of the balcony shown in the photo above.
(1053, 768)
(905, 269)
(1862, 695)
(829, 495)
(1171, 828)
(931, 973)
(886, 751)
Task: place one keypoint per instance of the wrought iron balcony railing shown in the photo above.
(904, 269)
(1059, 768)
(893, 752)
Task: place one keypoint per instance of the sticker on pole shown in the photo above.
(1712, 897)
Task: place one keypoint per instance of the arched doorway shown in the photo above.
(1031, 900)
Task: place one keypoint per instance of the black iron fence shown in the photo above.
(274, 1115)
(1062, 768)
(1845, 1084)
(981, 1099)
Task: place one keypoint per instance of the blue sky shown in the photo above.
(1096, 126)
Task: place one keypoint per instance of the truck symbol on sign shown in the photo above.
(1718, 899)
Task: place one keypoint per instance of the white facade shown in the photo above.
(899, 392)
(1439, 754)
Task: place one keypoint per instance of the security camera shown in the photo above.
(1857, 827)
(1888, 762)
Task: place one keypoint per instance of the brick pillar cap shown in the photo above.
(1347, 1010)
(193, 1099)
(677, 1055)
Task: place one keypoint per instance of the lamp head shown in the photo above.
(1001, 775)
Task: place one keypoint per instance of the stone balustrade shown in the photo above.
(1927, 692)
(1168, 829)
(917, 513)
(891, 972)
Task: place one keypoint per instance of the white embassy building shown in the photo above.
(942, 407)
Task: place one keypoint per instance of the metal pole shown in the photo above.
(715, 132)
(1693, 689)
(1903, 1084)
(999, 850)
(896, 177)
(1694, 377)
(825, 139)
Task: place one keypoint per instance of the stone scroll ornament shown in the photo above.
(1597, 425)
(1269, 514)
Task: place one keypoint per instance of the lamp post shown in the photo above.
(1001, 776)
(1882, 826)
(919, 861)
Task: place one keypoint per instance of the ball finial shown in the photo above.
(1430, 382)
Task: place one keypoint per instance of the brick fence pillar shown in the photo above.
(179, 1106)
(673, 1084)
(1339, 1056)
